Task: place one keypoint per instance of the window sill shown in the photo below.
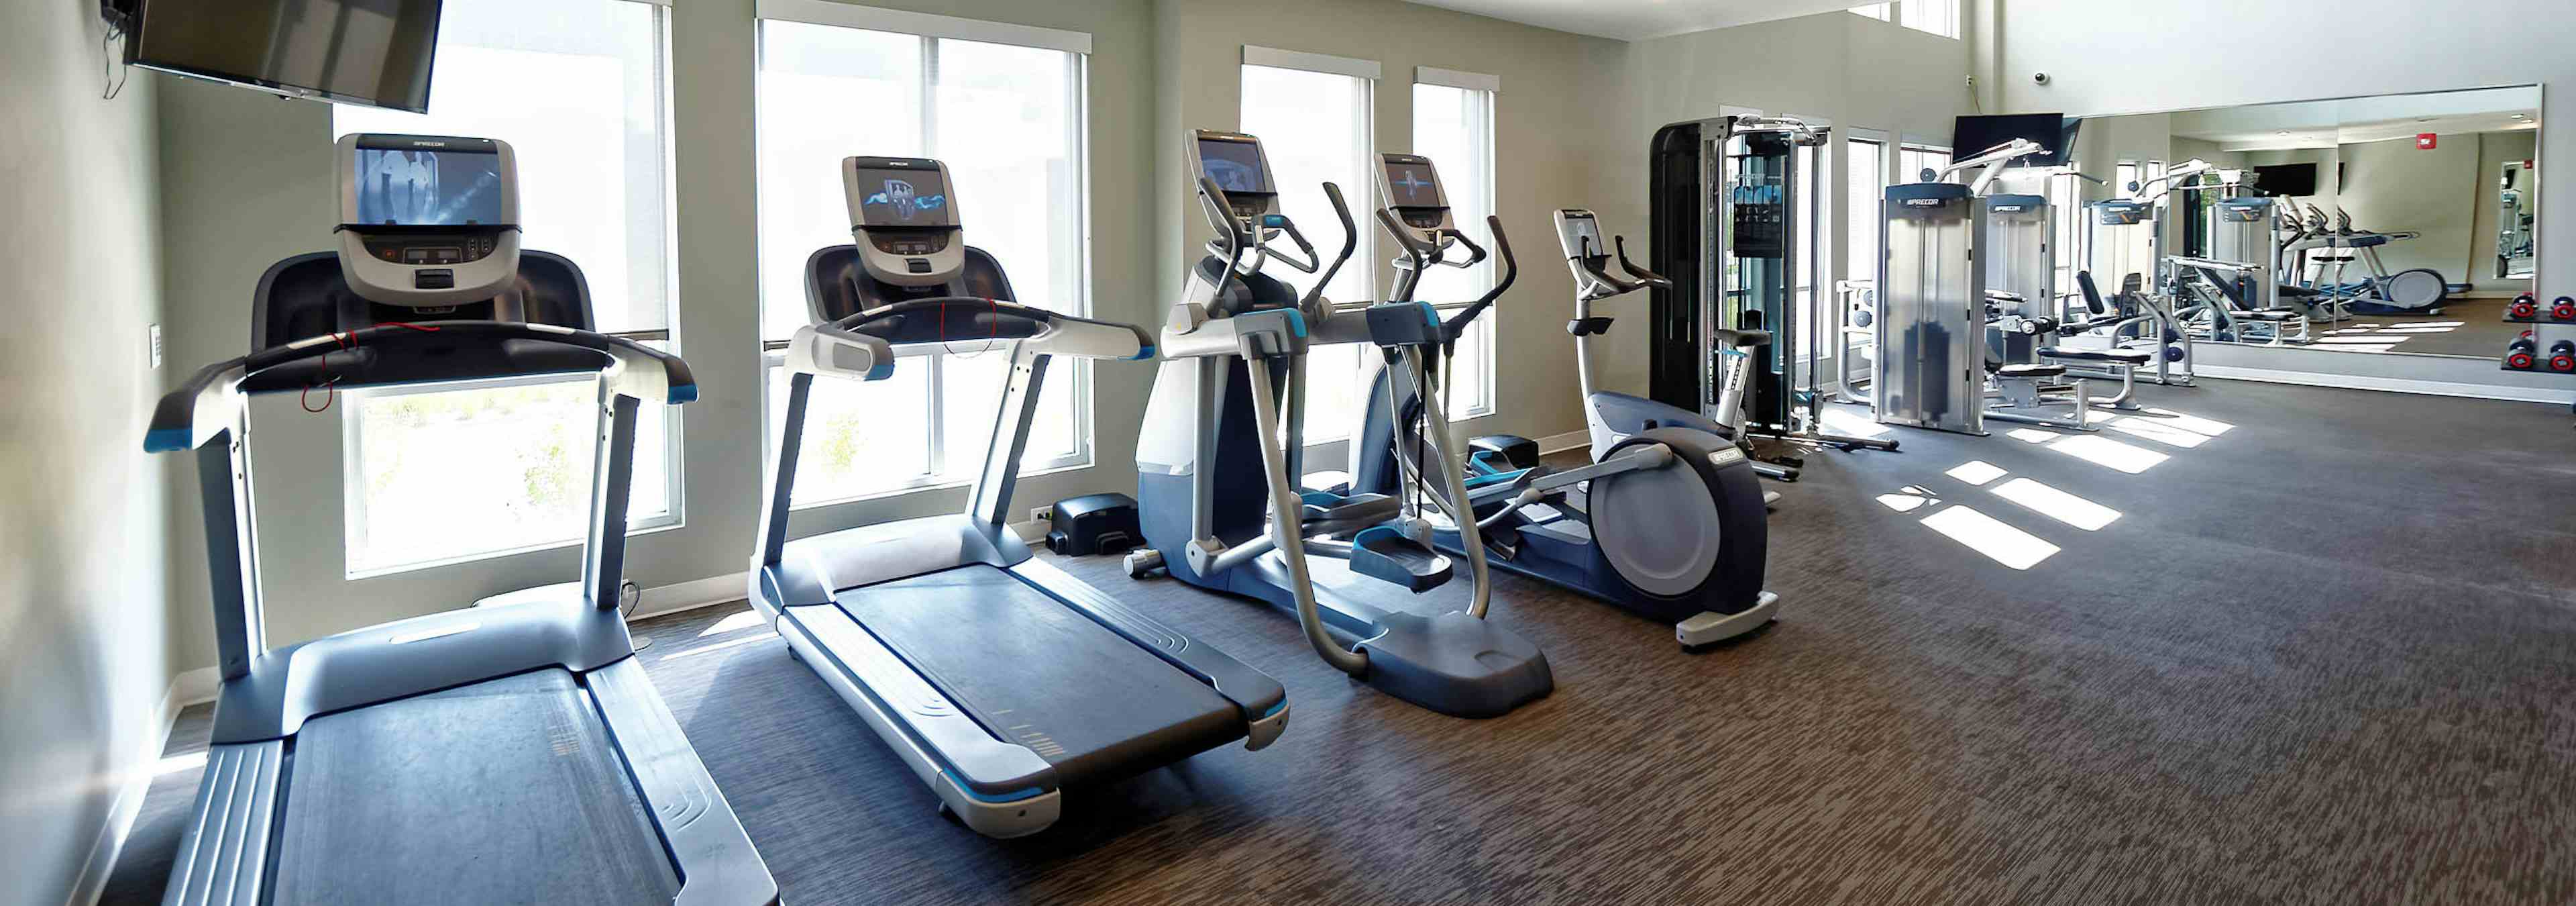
(658, 525)
(929, 485)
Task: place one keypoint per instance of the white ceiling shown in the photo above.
(1637, 20)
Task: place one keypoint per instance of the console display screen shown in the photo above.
(405, 187)
(1234, 165)
(1413, 185)
(904, 198)
(1583, 237)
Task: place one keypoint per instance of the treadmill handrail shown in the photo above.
(1048, 333)
(207, 403)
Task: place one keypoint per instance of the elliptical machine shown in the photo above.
(1671, 524)
(1233, 351)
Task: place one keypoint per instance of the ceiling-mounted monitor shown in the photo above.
(2297, 180)
(2054, 133)
(371, 52)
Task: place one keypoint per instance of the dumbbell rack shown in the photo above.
(2542, 348)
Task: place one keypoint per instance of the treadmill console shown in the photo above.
(903, 219)
(428, 221)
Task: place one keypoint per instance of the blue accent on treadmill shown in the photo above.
(1012, 796)
(1318, 498)
(1429, 313)
(684, 393)
(1272, 220)
(1142, 354)
(880, 371)
(1275, 709)
(165, 440)
(1478, 481)
(1296, 320)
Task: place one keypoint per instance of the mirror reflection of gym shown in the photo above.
(2401, 224)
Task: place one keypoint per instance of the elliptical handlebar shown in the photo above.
(1511, 272)
(1220, 213)
(1350, 243)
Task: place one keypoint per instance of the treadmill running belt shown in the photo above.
(504, 791)
(1035, 672)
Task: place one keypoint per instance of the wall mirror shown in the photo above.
(2399, 224)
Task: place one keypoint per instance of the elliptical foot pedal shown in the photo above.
(1455, 664)
(1705, 628)
(1381, 552)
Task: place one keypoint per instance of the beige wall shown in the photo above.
(82, 663)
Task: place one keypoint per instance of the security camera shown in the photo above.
(2039, 78)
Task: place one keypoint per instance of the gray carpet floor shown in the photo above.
(2323, 651)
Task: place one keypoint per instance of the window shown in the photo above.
(1913, 159)
(1315, 128)
(1876, 11)
(463, 471)
(2066, 197)
(1940, 17)
(1007, 119)
(1455, 128)
(1812, 244)
(1864, 190)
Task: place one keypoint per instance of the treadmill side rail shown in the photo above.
(224, 856)
(715, 858)
(815, 632)
(1263, 701)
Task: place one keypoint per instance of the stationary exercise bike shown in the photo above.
(1671, 522)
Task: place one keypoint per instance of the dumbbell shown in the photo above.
(2521, 354)
(2524, 307)
(2562, 356)
(2563, 308)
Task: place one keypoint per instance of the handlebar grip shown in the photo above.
(1644, 276)
(1511, 272)
(1350, 243)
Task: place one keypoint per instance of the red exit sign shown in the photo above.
(2424, 141)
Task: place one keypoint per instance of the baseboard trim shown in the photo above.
(694, 594)
(1559, 443)
(185, 689)
(2399, 385)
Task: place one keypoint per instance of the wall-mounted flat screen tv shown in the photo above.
(372, 52)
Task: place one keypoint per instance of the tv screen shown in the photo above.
(1974, 135)
(1235, 165)
(371, 52)
(1413, 184)
(2287, 179)
(429, 188)
(911, 197)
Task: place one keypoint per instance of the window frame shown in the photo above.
(353, 493)
(931, 29)
(1490, 200)
(1884, 12)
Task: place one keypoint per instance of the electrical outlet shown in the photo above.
(1044, 514)
(156, 345)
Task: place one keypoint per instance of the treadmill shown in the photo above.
(502, 754)
(997, 678)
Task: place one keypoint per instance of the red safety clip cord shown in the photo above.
(330, 383)
(989, 336)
